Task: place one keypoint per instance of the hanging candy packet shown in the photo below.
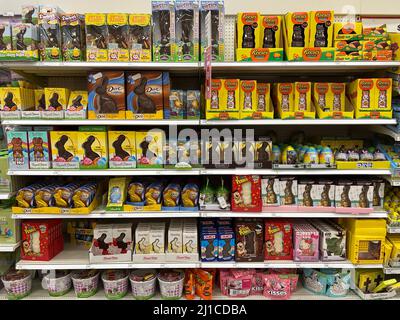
(257, 284)
(276, 288)
(293, 280)
(189, 286)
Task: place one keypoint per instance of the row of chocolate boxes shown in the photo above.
(170, 33)
(148, 95)
(109, 95)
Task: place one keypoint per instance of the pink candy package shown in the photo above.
(257, 284)
(276, 288)
(306, 242)
(238, 286)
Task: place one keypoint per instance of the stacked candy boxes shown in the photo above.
(151, 195)
(289, 194)
(75, 197)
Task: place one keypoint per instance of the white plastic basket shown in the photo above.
(115, 289)
(85, 287)
(57, 286)
(143, 290)
(171, 290)
(18, 289)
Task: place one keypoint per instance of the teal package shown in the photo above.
(17, 146)
(39, 152)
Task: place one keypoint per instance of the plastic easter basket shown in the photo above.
(116, 288)
(57, 286)
(85, 287)
(143, 290)
(19, 288)
(171, 290)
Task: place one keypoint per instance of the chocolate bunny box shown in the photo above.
(106, 99)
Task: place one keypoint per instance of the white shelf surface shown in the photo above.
(305, 67)
(196, 171)
(300, 122)
(390, 270)
(386, 131)
(73, 259)
(393, 230)
(101, 213)
(39, 122)
(5, 247)
(6, 196)
(106, 172)
(289, 264)
(225, 214)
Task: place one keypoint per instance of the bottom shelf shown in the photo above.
(38, 293)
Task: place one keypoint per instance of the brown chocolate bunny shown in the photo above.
(144, 103)
(87, 146)
(105, 103)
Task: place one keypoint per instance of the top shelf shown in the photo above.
(80, 68)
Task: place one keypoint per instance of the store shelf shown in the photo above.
(303, 67)
(9, 247)
(73, 259)
(6, 196)
(223, 214)
(33, 122)
(386, 131)
(389, 270)
(41, 68)
(295, 172)
(300, 122)
(289, 264)
(393, 230)
(106, 172)
(111, 215)
(76, 259)
(101, 213)
(38, 293)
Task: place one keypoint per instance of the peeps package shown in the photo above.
(106, 95)
(226, 244)
(187, 30)
(147, 94)
(92, 148)
(17, 145)
(117, 188)
(39, 149)
(10, 229)
(64, 149)
(149, 148)
(122, 149)
(77, 105)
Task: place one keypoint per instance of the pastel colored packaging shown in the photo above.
(149, 149)
(77, 105)
(17, 145)
(64, 149)
(39, 150)
(5, 30)
(217, 10)
(24, 36)
(106, 95)
(92, 150)
(122, 149)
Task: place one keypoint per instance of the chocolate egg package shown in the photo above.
(190, 197)
(83, 196)
(153, 195)
(171, 197)
(136, 192)
(63, 195)
(26, 196)
(44, 197)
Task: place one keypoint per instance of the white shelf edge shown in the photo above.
(196, 171)
(5, 247)
(6, 196)
(199, 214)
(280, 122)
(393, 230)
(390, 270)
(386, 131)
(100, 122)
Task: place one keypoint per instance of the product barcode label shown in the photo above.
(236, 292)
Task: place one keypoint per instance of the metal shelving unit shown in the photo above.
(65, 122)
(300, 122)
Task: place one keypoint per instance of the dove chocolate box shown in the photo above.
(106, 92)
(146, 92)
